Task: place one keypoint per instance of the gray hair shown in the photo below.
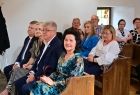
(34, 22)
(51, 23)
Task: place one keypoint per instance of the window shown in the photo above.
(104, 14)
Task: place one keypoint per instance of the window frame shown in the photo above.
(105, 8)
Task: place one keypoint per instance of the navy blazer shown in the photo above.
(27, 53)
(49, 59)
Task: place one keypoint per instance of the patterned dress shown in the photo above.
(136, 36)
(74, 66)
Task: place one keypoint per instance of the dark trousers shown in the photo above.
(26, 89)
(7, 71)
(92, 68)
(19, 84)
(138, 71)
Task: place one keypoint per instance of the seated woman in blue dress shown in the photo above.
(90, 40)
(70, 64)
(103, 54)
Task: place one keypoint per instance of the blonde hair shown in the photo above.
(111, 29)
(92, 26)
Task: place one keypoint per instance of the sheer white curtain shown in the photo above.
(3, 61)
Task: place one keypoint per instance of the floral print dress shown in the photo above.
(74, 66)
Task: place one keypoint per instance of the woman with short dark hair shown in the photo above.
(70, 64)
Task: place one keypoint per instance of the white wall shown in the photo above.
(18, 13)
(126, 13)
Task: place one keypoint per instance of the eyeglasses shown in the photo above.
(121, 24)
(39, 29)
(49, 30)
(137, 22)
(104, 33)
(31, 27)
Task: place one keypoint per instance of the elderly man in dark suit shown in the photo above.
(24, 54)
(47, 60)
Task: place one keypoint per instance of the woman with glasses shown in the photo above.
(103, 54)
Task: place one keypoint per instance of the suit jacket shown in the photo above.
(49, 59)
(27, 53)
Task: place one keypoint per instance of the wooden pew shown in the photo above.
(134, 62)
(127, 50)
(132, 51)
(136, 55)
(83, 85)
(116, 80)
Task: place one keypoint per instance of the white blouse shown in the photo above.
(119, 35)
(106, 53)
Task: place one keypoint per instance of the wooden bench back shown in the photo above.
(83, 85)
(127, 50)
(136, 54)
(116, 81)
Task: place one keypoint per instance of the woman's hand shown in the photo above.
(30, 78)
(90, 58)
(16, 66)
(29, 67)
(47, 80)
(25, 66)
(125, 40)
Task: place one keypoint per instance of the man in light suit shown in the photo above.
(47, 60)
(24, 54)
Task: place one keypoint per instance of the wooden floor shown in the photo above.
(133, 88)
